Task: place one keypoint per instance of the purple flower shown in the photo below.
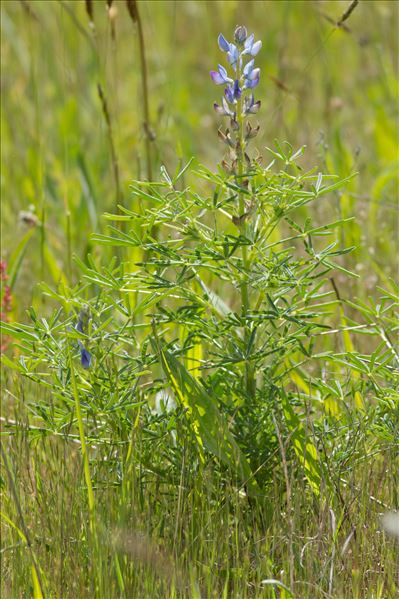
(229, 94)
(248, 68)
(252, 79)
(250, 106)
(244, 77)
(250, 47)
(250, 84)
(220, 76)
(223, 43)
(237, 90)
(85, 357)
(223, 110)
(233, 92)
(232, 54)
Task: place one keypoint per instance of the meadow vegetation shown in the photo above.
(199, 325)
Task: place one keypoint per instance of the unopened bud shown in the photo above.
(240, 34)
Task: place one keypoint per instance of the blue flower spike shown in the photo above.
(242, 77)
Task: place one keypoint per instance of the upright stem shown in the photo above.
(249, 372)
(85, 455)
(144, 80)
(241, 201)
(133, 9)
(114, 157)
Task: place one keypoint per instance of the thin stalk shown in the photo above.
(289, 504)
(85, 457)
(144, 78)
(249, 371)
(114, 157)
(69, 241)
(86, 469)
(135, 15)
(241, 205)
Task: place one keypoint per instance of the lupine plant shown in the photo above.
(223, 334)
(229, 362)
(237, 104)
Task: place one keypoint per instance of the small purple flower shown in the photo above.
(250, 47)
(248, 68)
(223, 43)
(233, 92)
(237, 90)
(220, 76)
(250, 106)
(223, 110)
(244, 77)
(252, 79)
(250, 84)
(229, 94)
(85, 357)
(232, 54)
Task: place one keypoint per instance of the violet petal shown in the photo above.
(217, 78)
(223, 43)
(256, 47)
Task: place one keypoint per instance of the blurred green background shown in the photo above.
(333, 89)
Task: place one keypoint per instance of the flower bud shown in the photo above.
(234, 125)
(240, 34)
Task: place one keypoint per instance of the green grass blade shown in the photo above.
(211, 429)
(303, 446)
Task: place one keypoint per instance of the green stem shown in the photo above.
(241, 201)
(114, 157)
(249, 372)
(87, 476)
(144, 82)
(133, 9)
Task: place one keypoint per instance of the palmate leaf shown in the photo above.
(209, 425)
